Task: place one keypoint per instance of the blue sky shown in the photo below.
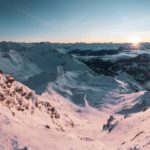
(74, 20)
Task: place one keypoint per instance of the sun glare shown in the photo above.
(135, 40)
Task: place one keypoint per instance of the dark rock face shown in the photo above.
(138, 67)
(112, 62)
(101, 52)
(110, 125)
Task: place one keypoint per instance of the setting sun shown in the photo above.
(135, 40)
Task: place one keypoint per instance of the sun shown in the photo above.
(134, 40)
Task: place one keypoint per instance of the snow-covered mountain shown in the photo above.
(48, 121)
(110, 81)
(44, 65)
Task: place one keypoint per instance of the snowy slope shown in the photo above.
(49, 121)
(12, 62)
(31, 120)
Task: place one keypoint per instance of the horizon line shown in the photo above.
(144, 42)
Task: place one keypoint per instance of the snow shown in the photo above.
(27, 129)
(50, 120)
(17, 65)
(78, 127)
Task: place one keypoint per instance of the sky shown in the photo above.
(74, 20)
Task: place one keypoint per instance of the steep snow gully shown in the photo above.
(74, 96)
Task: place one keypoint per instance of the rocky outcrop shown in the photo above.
(111, 123)
(20, 99)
